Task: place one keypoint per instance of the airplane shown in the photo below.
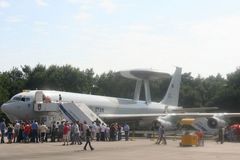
(51, 105)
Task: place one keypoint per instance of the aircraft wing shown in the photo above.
(120, 116)
(198, 109)
(156, 115)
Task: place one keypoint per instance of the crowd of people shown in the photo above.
(70, 133)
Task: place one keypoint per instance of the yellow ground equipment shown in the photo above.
(188, 139)
(187, 121)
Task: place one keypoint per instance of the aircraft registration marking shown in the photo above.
(99, 110)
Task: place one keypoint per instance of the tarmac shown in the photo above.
(137, 149)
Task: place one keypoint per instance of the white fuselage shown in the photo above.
(17, 109)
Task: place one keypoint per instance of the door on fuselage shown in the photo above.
(38, 101)
(39, 97)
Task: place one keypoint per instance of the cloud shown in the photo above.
(62, 27)
(219, 34)
(127, 48)
(139, 28)
(201, 47)
(15, 19)
(41, 3)
(108, 6)
(82, 1)
(40, 27)
(211, 42)
(83, 16)
(4, 4)
(40, 23)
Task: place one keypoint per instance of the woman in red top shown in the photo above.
(66, 130)
(26, 132)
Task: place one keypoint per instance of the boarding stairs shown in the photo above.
(71, 111)
(78, 112)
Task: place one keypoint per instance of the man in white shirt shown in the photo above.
(102, 129)
(93, 128)
(16, 131)
(43, 131)
(126, 129)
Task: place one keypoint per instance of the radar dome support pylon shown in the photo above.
(143, 76)
(146, 89)
(137, 90)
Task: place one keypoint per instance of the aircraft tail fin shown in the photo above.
(172, 95)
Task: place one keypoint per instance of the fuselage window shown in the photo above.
(27, 99)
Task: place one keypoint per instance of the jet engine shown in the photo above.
(215, 122)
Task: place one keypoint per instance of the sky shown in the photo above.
(201, 36)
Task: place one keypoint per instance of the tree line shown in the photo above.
(213, 91)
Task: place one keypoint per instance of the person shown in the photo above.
(71, 132)
(119, 127)
(60, 132)
(60, 98)
(43, 131)
(84, 127)
(20, 137)
(78, 136)
(97, 122)
(112, 132)
(2, 128)
(10, 133)
(16, 131)
(66, 132)
(98, 132)
(88, 140)
(200, 135)
(126, 129)
(26, 132)
(53, 132)
(221, 135)
(34, 130)
(93, 130)
(75, 134)
(102, 129)
(161, 135)
(107, 133)
(57, 131)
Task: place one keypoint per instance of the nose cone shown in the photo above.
(3, 108)
(8, 109)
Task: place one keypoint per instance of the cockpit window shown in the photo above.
(19, 98)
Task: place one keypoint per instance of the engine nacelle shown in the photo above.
(215, 122)
(166, 124)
